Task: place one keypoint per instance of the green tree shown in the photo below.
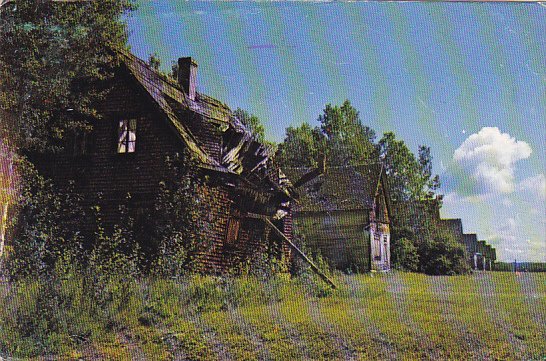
(253, 124)
(441, 254)
(340, 136)
(348, 141)
(409, 178)
(302, 147)
(429, 184)
(46, 225)
(55, 58)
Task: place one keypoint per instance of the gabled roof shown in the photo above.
(471, 242)
(338, 188)
(241, 155)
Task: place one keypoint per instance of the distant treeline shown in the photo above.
(520, 267)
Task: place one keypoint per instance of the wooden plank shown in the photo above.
(3, 225)
(294, 247)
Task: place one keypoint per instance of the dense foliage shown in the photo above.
(172, 227)
(409, 178)
(46, 225)
(442, 254)
(404, 255)
(54, 60)
(47, 228)
(341, 138)
(302, 147)
(346, 139)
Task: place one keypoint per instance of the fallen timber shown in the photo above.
(294, 247)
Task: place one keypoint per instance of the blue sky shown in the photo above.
(467, 79)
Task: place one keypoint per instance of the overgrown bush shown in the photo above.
(306, 277)
(430, 250)
(404, 255)
(173, 227)
(443, 255)
(46, 225)
(116, 253)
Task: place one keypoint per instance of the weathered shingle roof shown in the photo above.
(241, 153)
(160, 88)
(339, 188)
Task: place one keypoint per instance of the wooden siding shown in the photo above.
(103, 171)
(341, 237)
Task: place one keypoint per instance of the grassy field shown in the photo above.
(389, 316)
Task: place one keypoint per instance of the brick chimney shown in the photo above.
(187, 75)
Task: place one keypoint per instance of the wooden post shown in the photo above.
(3, 225)
(294, 247)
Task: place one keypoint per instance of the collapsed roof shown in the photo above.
(342, 188)
(241, 153)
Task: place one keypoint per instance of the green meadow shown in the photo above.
(395, 316)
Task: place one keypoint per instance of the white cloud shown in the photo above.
(535, 185)
(453, 198)
(491, 155)
(510, 236)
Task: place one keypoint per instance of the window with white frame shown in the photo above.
(127, 136)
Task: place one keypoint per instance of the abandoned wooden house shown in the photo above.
(147, 117)
(481, 256)
(491, 256)
(344, 213)
(485, 256)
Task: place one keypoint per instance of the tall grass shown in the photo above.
(393, 316)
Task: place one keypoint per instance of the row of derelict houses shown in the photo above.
(481, 255)
(253, 206)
